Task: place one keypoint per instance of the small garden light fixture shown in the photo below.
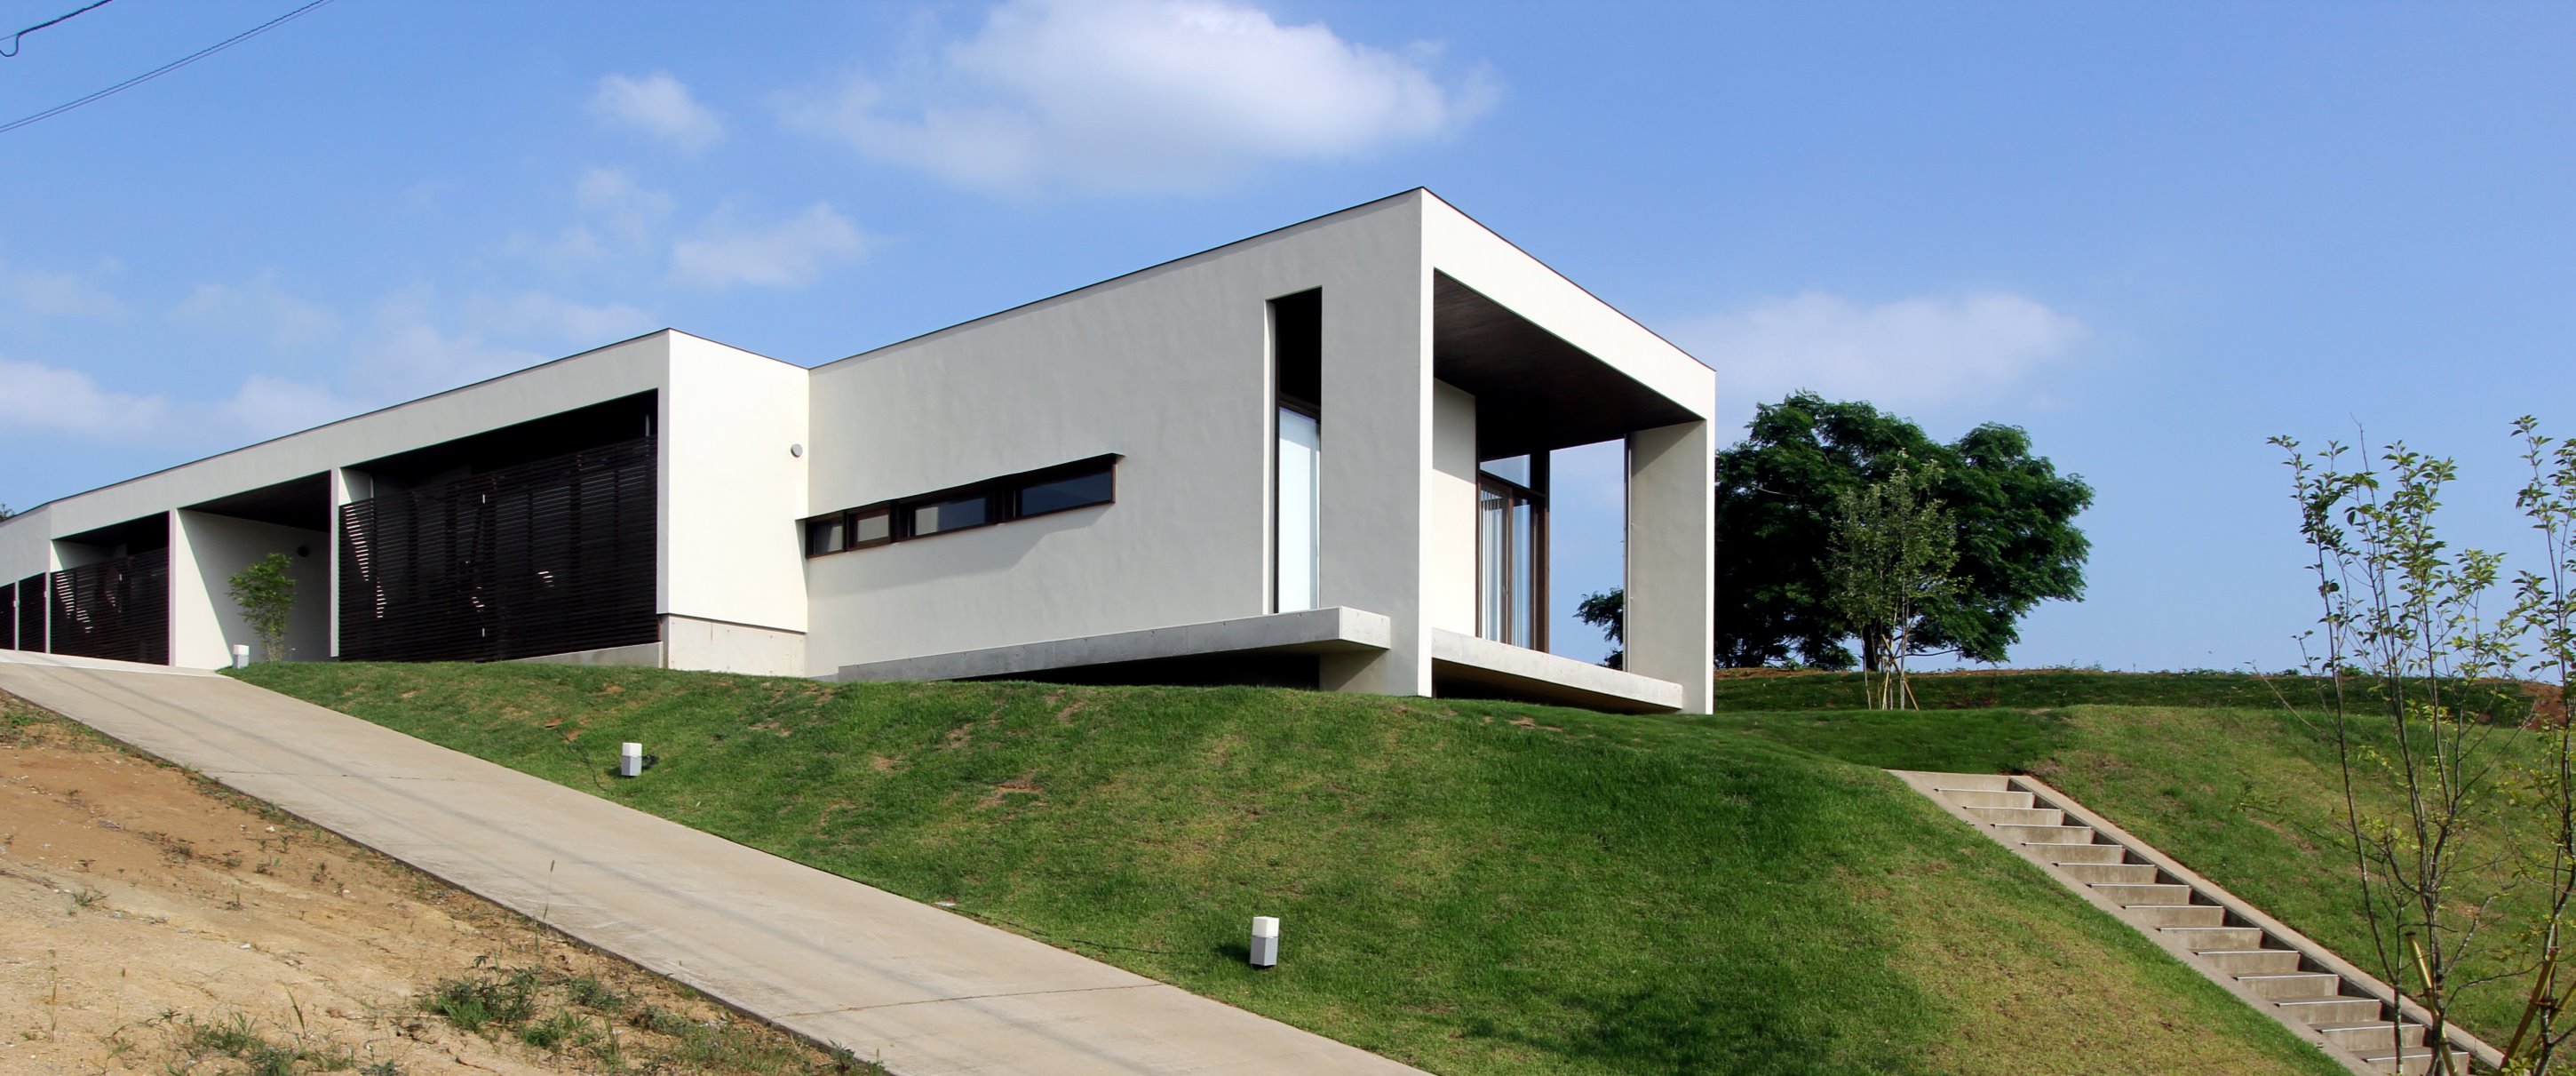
(1265, 941)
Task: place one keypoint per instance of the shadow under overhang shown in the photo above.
(303, 503)
(1535, 392)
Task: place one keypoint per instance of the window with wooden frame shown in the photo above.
(1048, 490)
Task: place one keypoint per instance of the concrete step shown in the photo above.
(2063, 854)
(2175, 915)
(2293, 985)
(2018, 816)
(1970, 797)
(2409, 1061)
(2046, 834)
(1971, 782)
(2330, 1010)
(2216, 937)
(2110, 873)
(2149, 893)
(2380, 1037)
(2252, 961)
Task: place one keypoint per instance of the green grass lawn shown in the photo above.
(2250, 798)
(1471, 887)
(2056, 688)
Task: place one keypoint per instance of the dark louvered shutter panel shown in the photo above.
(32, 594)
(539, 558)
(117, 609)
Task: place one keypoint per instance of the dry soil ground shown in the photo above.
(153, 922)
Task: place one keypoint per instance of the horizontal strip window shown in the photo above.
(1080, 484)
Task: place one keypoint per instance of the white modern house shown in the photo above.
(1316, 457)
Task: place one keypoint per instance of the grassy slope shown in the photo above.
(2054, 688)
(1472, 887)
(2248, 797)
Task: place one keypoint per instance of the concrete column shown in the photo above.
(1672, 570)
(179, 605)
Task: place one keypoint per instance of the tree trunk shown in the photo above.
(1870, 658)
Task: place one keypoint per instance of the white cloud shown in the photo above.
(1136, 96)
(616, 212)
(267, 406)
(56, 293)
(407, 344)
(614, 197)
(405, 359)
(538, 315)
(788, 254)
(258, 307)
(37, 398)
(410, 348)
(660, 106)
(1923, 352)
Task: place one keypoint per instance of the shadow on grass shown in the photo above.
(1662, 1029)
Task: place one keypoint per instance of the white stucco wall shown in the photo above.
(205, 551)
(732, 492)
(689, 643)
(1451, 572)
(26, 545)
(1167, 368)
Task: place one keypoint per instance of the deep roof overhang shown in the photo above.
(1534, 391)
(303, 503)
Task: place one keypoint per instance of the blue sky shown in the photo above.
(2151, 234)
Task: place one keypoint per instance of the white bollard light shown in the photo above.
(1265, 941)
(630, 760)
(241, 655)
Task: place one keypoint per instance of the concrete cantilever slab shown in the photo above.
(1314, 631)
(1469, 661)
(929, 992)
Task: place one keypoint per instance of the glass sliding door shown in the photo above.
(1511, 583)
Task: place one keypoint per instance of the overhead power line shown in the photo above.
(164, 68)
(12, 50)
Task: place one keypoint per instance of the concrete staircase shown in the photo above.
(2353, 1016)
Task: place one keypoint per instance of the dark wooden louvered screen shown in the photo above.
(31, 612)
(548, 557)
(116, 609)
(9, 624)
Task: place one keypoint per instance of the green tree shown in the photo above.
(1887, 571)
(1607, 611)
(1776, 491)
(266, 593)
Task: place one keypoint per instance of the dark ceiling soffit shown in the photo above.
(1534, 391)
(146, 532)
(303, 503)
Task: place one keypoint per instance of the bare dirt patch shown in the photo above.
(153, 922)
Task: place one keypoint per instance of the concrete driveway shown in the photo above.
(929, 992)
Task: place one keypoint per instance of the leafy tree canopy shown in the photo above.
(1776, 494)
(1776, 491)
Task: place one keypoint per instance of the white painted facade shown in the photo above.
(1171, 371)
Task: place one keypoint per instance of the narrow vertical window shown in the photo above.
(1297, 370)
(1299, 548)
